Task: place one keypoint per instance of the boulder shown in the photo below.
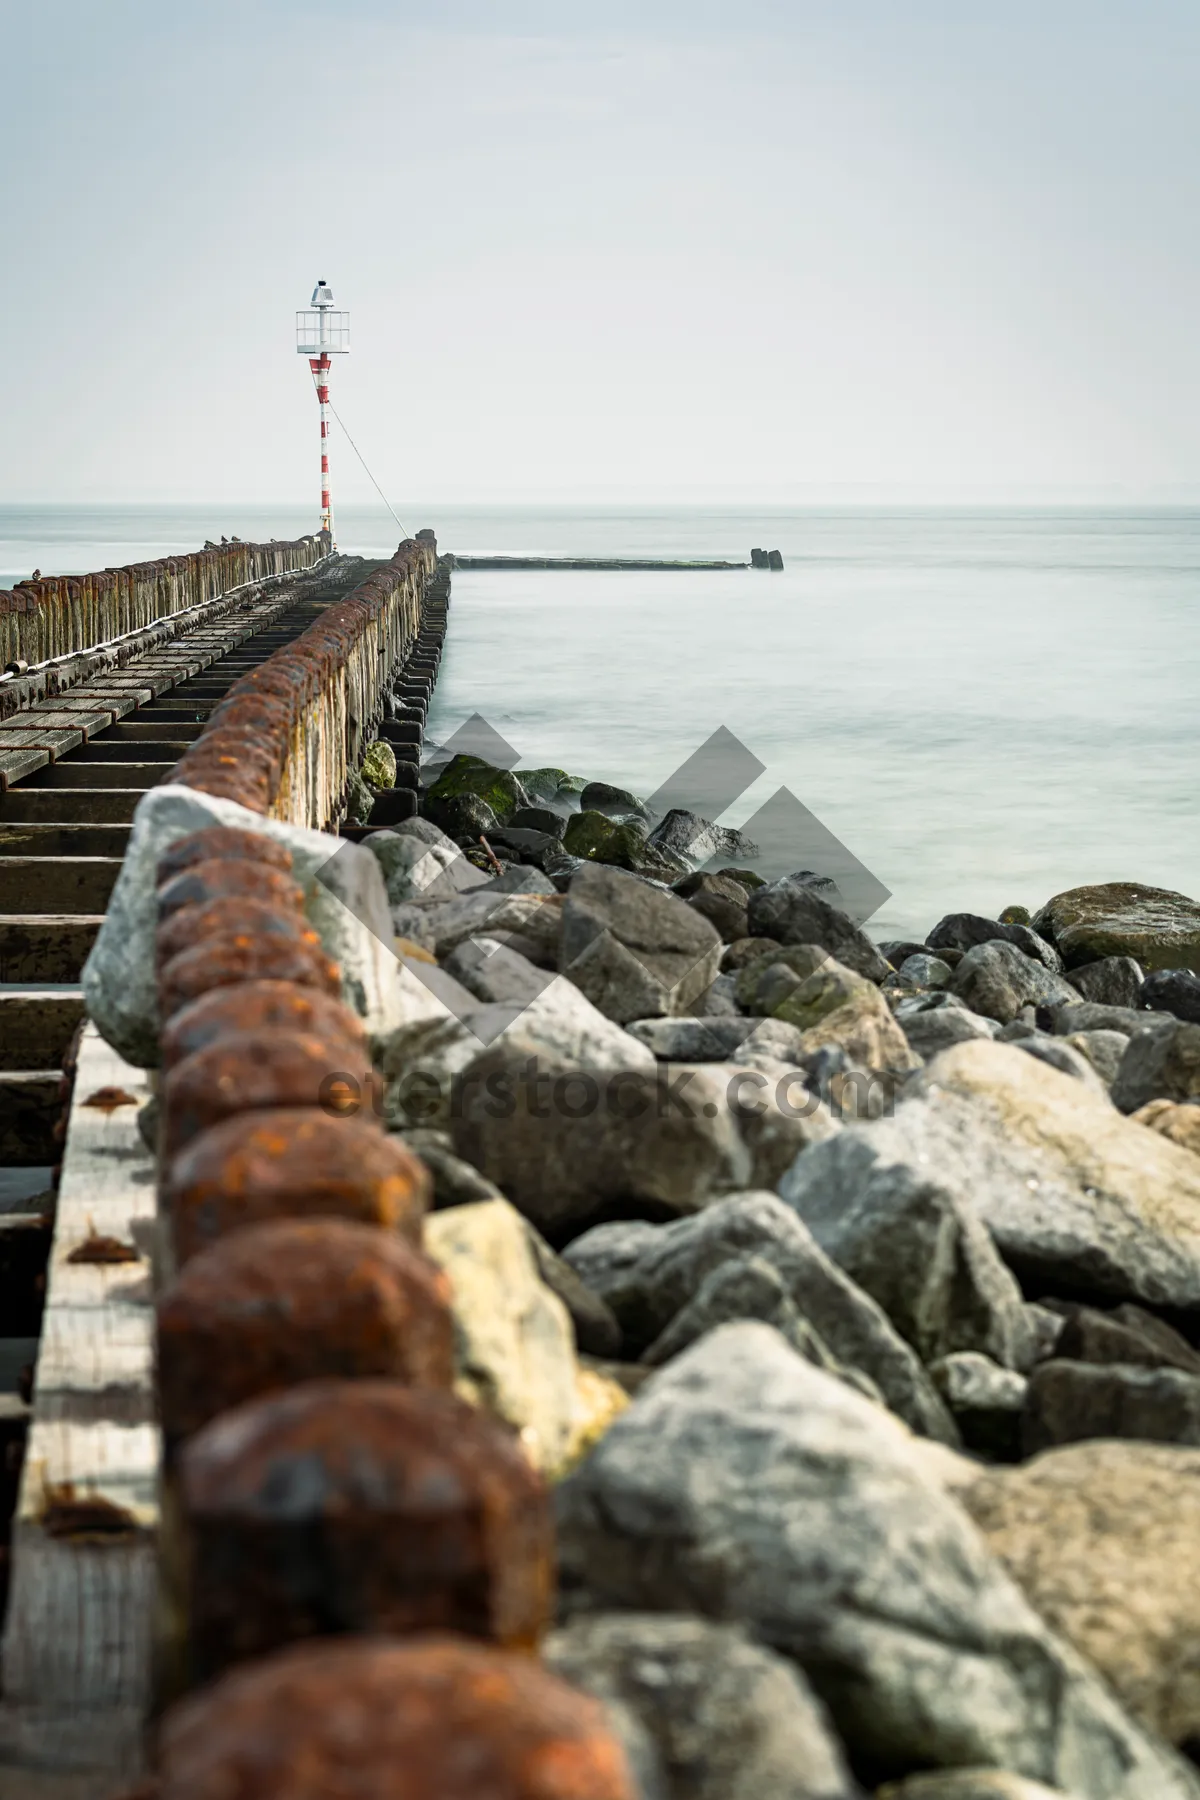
(595, 1324)
(378, 768)
(696, 840)
(719, 899)
(1102, 1049)
(496, 973)
(763, 982)
(601, 796)
(742, 1482)
(916, 1246)
(344, 900)
(862, 1026)
(1104, 1539)
(1070, 1401)
(986, 1401)
(542, 819)
(1158, 928)
(649, 1275)
(359, 800)
(796, 913)
(1078, 1199)
(417, 870)
(1083, 1015)
(1113, 981)
(514, 1345)
(1163, 1064)
(748, 1287)
(934, 1022)
(999, 981)
(553, 787)
(923, 971)
(1128, 1334)
(743, 951)
(966, 931)
(455, 1182)
(1176, 991)
(472, 777)
(1179, 1123)
(532, 920)
(703, 1713)
(620, 843)
(568, 1140)
(714, 1039)
(1056, 1053)
(636, 952)
(465, 817)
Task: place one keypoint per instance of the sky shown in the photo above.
(766, 249)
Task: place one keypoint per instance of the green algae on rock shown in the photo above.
(471, 775)
(379, 765)
(1161, 929)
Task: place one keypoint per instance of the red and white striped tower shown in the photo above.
(320, 333)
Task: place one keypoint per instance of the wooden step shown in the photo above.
(44, 948)
(36, 1028)
(74, 774)
(62, 840)
(30, 1108)
(64, 806)
(57, 884)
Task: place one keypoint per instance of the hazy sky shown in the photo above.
(640, 249)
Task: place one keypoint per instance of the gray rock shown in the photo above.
(568, 1140)
(597, 1332)
(518, 879)
(1113, 981)
(1057, 1053)
(720, 899)
(1069, 1401)
(1103, 1049)
(925, 972)
(720, 1000)
(616, 802)
(494, 972)
(455, 1182)
(1046, 1328)
(966, 931)
(697, 840)
(795, 913)
(915, 1245)
(742, 1482)
(649, 1274)
(703, 1713)
(714, 1039)
(1157, 927)
(1077, 1198)
(1126, 1335)
(1176, 991)
(416, 870)
(344, 900)
(493, 912)
(936, 1021)
(972, 1784)
(998, 980)
(1084, 1016)
(1163, 1064)
(635, 951)
(986, 1400)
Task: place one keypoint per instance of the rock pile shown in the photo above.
(833, 1305)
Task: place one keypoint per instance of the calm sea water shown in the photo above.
(986, 706)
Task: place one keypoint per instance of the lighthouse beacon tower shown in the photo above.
(322, 332)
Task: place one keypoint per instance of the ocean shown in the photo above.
(984, 705)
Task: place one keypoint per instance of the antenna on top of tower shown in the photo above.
(322, 332)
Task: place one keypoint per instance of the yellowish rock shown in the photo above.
(598, 1401)
(1181, 1124)
(1104, 1538)
(863, 1026)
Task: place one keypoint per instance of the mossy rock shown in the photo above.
(600, 839)
(359, 799)
(1158, 928)
(747, 877)
(464, 817)
(550, 784)
(470, 775)
(379, 765)
(1016, 915)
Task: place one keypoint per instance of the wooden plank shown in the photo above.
(101, 699)
(55, 839)
(77, 1644)
(57, 884)
(102, 775)
(37, 948)
(16, 764)
(51, 717)
(23, 733)
(36, 1029)
(65, 806)
(30, 1108)
(155, 749)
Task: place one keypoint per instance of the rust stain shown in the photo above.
(108, 1099)
(99, 1248)
(83, 1518)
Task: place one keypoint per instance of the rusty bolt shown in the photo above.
(230, 843)
(230, 957)
(217, 879)
(248, 1070)
(277, 1304)
(231, 912)
(253, 1004)
(292, 1163)
(360, 1506)
(440, 1718)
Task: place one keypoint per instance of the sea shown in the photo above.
(982, 705)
